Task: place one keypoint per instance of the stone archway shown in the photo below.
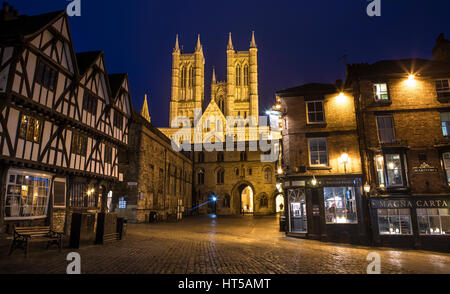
(243, 198)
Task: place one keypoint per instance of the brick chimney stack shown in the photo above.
(441, 51)
(8, 12)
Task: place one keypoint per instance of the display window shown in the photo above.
(394, 221)
(435, 221)
(340, 205)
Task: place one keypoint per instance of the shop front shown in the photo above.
(411, 222)
(326, 208)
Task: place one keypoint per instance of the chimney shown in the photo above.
(8, 12)
(441, 52)
(339, 85)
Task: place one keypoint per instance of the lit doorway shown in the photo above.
(279, 203)
(247, 205)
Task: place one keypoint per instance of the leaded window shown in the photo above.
(30, 129)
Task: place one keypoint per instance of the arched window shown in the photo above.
(236, 171)
(201, 157)
(201, 177)
(264, 201)
(246, 79)
(183, 77)
(243, 156)
(268, 175)
(226, 201)
(220, 176)
(191, 77)
(238, 75)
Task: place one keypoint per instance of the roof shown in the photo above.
(398, 67)
(86, 59)
(309, 89)
(24, 25)
(115, 82)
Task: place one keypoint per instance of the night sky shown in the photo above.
(298, 41)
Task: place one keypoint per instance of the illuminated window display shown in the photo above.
(297, 213)
(434, 221)
(340, 205)
(27, 196)
(394, 221)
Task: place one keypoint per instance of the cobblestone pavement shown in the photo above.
(228, 245)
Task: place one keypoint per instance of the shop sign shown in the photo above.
(132, 184)
(424, 168)
(316, 210)
(342, 182)
(298, 183)
(416, 203)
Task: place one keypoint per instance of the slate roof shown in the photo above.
(309, 89)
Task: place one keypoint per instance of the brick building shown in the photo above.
(403, 110)
(321, 161)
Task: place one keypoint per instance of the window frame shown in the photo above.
(308, 112)
(439, 92)
(90, 105)
(48, 77)
(25, 137)
(345, 203)
(375, 92)
(398, 214)
(386, 183)
(75, 148)
(393, 128)
(326, 150)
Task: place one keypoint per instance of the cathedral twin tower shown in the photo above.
(237, 97)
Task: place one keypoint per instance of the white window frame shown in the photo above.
(326, 149)
(32, 173)
(53, 192)
(442, 90)
(396, 215)
(323, 112)
(378, 92)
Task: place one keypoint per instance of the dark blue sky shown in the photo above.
(299, 41)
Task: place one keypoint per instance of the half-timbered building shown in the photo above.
(63, 120)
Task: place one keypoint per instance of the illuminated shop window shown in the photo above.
(26, 196)
(381, 92)
(394, 221)
(390, 170)
(434, 221)
(340, 205)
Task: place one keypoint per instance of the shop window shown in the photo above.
(442, 88)
(445, 122)
(381, 92)
(386, 132)
(30, 129)
(340, 205)
(27, 196)
(79, 144)
(434, 221)
(46, 76)
(315, 112)
(446, 159)
(394, 221)
(318, 152)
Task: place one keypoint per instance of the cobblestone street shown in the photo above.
(206, 245)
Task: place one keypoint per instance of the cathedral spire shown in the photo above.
(214, 75)
(253, 42)
(177, 45)
(199, 47)
(230, 43)
(144, 112)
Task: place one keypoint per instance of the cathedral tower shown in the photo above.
(242, 81)
(188, 75)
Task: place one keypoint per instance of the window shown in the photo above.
(264, 201)
(79, 144)
(381, 92)
(220, 156)
(27, 196)
(268, 175)
(220, 176)
(90, 103)
(340, 205)
(160, 180)
(201, 157)
(82, 196)
(246, 79)
(434, 221)
(318, 152)
(446, 159)
(250, 171)
(118, 120)
(442, 88)
(445, 121)
(243, 156)
(379, 165)
(315, 112)
(191, 77)
(386, 132)
(236, 171)
(46, 76)
(183, 77)
(123, 203)
(238, 75)
(108, 154)
(394, 171)
(30, 129)
(394, 221)
(226, 201)
(201, 177)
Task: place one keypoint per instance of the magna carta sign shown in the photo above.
(410, 203)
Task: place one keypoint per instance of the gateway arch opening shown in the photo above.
(247, 204)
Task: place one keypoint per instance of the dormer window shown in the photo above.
(381, 92)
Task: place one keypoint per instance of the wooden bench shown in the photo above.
(23, 236)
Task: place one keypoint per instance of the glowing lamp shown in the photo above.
(214, 198)
(367, 188)
(314, 181)
(344, 158)
(280, 171)
(411, 81)
(341, 98)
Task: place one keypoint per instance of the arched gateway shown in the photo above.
(243, 199)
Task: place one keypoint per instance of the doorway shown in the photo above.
(279, 203)
(247, 203)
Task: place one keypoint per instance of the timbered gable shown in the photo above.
(6, 59)
(121, 111)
